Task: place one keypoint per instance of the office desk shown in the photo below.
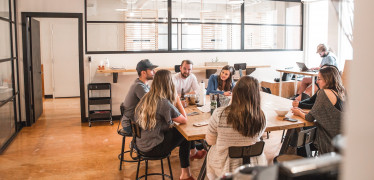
(296, 72)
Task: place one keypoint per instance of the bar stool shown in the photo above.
(124, 134)
(140, 156)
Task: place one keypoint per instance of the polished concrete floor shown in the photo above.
(59, 146)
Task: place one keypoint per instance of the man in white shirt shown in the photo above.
(185, 79)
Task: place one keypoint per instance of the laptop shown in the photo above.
(303, 67)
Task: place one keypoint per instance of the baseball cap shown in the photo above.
(144, 64)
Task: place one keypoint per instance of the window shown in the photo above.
(9, 96)
(124, 26)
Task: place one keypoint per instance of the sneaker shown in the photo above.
(294, 97)
(199, 155)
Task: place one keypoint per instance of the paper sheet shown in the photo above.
(205, 108)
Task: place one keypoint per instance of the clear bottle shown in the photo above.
(183, 99)
(106, 63)
(213, 104)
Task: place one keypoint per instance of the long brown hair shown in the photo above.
(162, 87)
(244, 113)
(333, 80)
(228, 81)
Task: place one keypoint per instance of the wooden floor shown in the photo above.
(58, 146)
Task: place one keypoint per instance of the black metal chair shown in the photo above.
(140, 156)
(123, 133)
(246, 152)
(302, 142)
(177, 68)
(240, 67)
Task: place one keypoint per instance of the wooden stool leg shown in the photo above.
(146, 169)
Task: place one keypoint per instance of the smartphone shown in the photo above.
(290, 119)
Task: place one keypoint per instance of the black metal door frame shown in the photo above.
(27, 64)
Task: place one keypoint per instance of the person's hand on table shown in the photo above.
(297, 111)
(295, 103)
(227, 93)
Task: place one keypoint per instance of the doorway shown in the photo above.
(63, 66)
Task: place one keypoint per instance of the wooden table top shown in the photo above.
(172, 68)
(297, 71)
(269, 103)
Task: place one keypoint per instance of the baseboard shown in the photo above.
(48, 96)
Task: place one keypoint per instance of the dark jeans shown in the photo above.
(172, 139)
(197, 145)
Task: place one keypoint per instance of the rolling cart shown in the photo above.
(95, 98)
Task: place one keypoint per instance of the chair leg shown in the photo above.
(122, 152)
(171, 173)
(282, 136)
(146, 169)
(137, 170)
(162, 169)
(267, 134)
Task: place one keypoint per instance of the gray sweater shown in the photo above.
(328, 121)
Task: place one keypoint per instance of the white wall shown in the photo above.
(359, 154)
(71, 6)
(129, 61)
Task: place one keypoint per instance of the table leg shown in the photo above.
(280, 84)
(295, 86)
(203, 167)
(286, 141)
(313, 82)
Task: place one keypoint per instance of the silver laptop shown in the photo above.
(303, 67)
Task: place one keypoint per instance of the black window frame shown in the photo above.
(15, 98)
(170, 23)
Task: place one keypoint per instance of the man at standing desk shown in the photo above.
(328, 58)
(137, 90)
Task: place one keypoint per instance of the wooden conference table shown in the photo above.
(269, 102)
(296, 72)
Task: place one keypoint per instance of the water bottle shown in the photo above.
(107, 63)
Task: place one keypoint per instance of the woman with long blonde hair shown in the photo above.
(155, 114)
(240, 124)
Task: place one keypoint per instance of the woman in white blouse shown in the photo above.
(240, 124)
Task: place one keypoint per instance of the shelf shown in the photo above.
(100, 114)
(99, 100)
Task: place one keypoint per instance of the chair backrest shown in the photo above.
(306, 137)
(246, 152)
(177, 68)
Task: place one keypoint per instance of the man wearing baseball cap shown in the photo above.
(137, 90)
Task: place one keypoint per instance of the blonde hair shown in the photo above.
(162, 87)
(244, 113)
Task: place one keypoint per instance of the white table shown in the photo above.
(296, 72)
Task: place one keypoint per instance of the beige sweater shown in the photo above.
(224, 136)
